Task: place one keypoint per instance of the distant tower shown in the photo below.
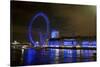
(55, 34)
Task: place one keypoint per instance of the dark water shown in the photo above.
(55, 56)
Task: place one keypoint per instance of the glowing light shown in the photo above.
(85, 42)
(29, 56)
(16, 42)
(68, 43)
(54, 34)
(31, 22)
(93, 43)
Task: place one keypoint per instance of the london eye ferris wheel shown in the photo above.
(38, 29)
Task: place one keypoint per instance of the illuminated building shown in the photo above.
(54, 42)
(55, 34)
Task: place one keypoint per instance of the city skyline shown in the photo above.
(52, 33)
(71, 20)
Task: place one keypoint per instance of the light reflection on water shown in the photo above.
(53, 56)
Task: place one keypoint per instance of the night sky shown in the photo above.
(70, 20)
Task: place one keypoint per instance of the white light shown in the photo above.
(16, 42)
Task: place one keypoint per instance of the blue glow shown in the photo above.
(68, 43)
(85, 53)
(31, 22)
(74, 55)
(74, 43)
(85, 43)
(54, 34)
(29, 56)
(93, 43)
(54, 43)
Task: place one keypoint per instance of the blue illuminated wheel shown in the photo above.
(40, 14)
